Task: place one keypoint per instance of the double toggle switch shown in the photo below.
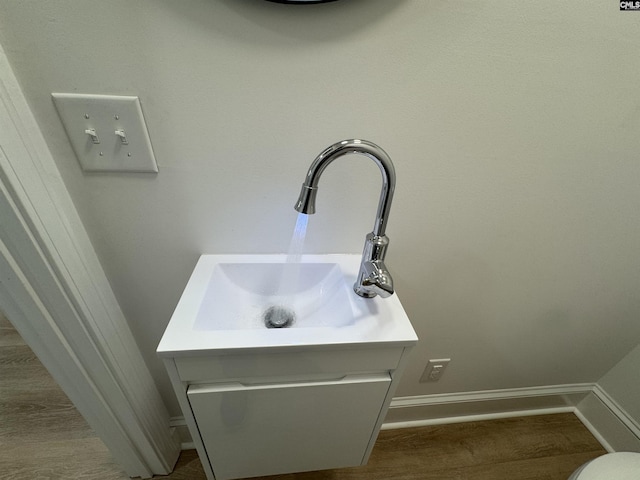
(93, 135)
(107, 132)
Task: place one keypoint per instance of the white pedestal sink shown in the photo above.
(262, 401)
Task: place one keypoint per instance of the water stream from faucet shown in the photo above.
(282, 313)
(291, 272)
(297, 240)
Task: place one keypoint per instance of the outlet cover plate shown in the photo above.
(434, 369)
(103, 115)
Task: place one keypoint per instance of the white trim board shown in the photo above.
(609, 423)
(605, 419)
(54, 291)
(180, 425)
(468, 406)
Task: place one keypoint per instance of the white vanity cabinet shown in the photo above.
(263, 401)
(265, 413)
(253, 430)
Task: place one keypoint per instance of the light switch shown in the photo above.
(107, 132)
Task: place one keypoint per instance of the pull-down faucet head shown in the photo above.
(373, 278)
(307, 200)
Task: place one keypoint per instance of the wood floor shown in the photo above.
(42, 436)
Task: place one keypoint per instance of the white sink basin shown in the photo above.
(228, 296)
(243, 295)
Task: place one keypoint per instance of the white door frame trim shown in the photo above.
(55, 292)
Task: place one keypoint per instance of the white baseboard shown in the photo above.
(614, 428)
(484, 405)
(606, 420)
(182, 432)
(476, 417)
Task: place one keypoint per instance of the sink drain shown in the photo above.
(278, 317)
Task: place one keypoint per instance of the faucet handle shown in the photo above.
(376, 279)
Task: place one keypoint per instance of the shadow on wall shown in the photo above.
(328, 22)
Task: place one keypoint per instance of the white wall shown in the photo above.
(513, 127)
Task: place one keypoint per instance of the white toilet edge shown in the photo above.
(624, 465)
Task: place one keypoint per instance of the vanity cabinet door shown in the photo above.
(267, 429)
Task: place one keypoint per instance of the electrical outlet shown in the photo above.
(434, 369)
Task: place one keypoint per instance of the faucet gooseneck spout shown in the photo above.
(373, 278)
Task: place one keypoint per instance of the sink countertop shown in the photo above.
(376, 320)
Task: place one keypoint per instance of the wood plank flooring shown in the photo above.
(540, 447)
(42, 436)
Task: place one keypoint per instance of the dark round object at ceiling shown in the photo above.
(301, 2)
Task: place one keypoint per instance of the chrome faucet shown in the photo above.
(373, 277)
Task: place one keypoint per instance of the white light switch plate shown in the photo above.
(107, 132)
